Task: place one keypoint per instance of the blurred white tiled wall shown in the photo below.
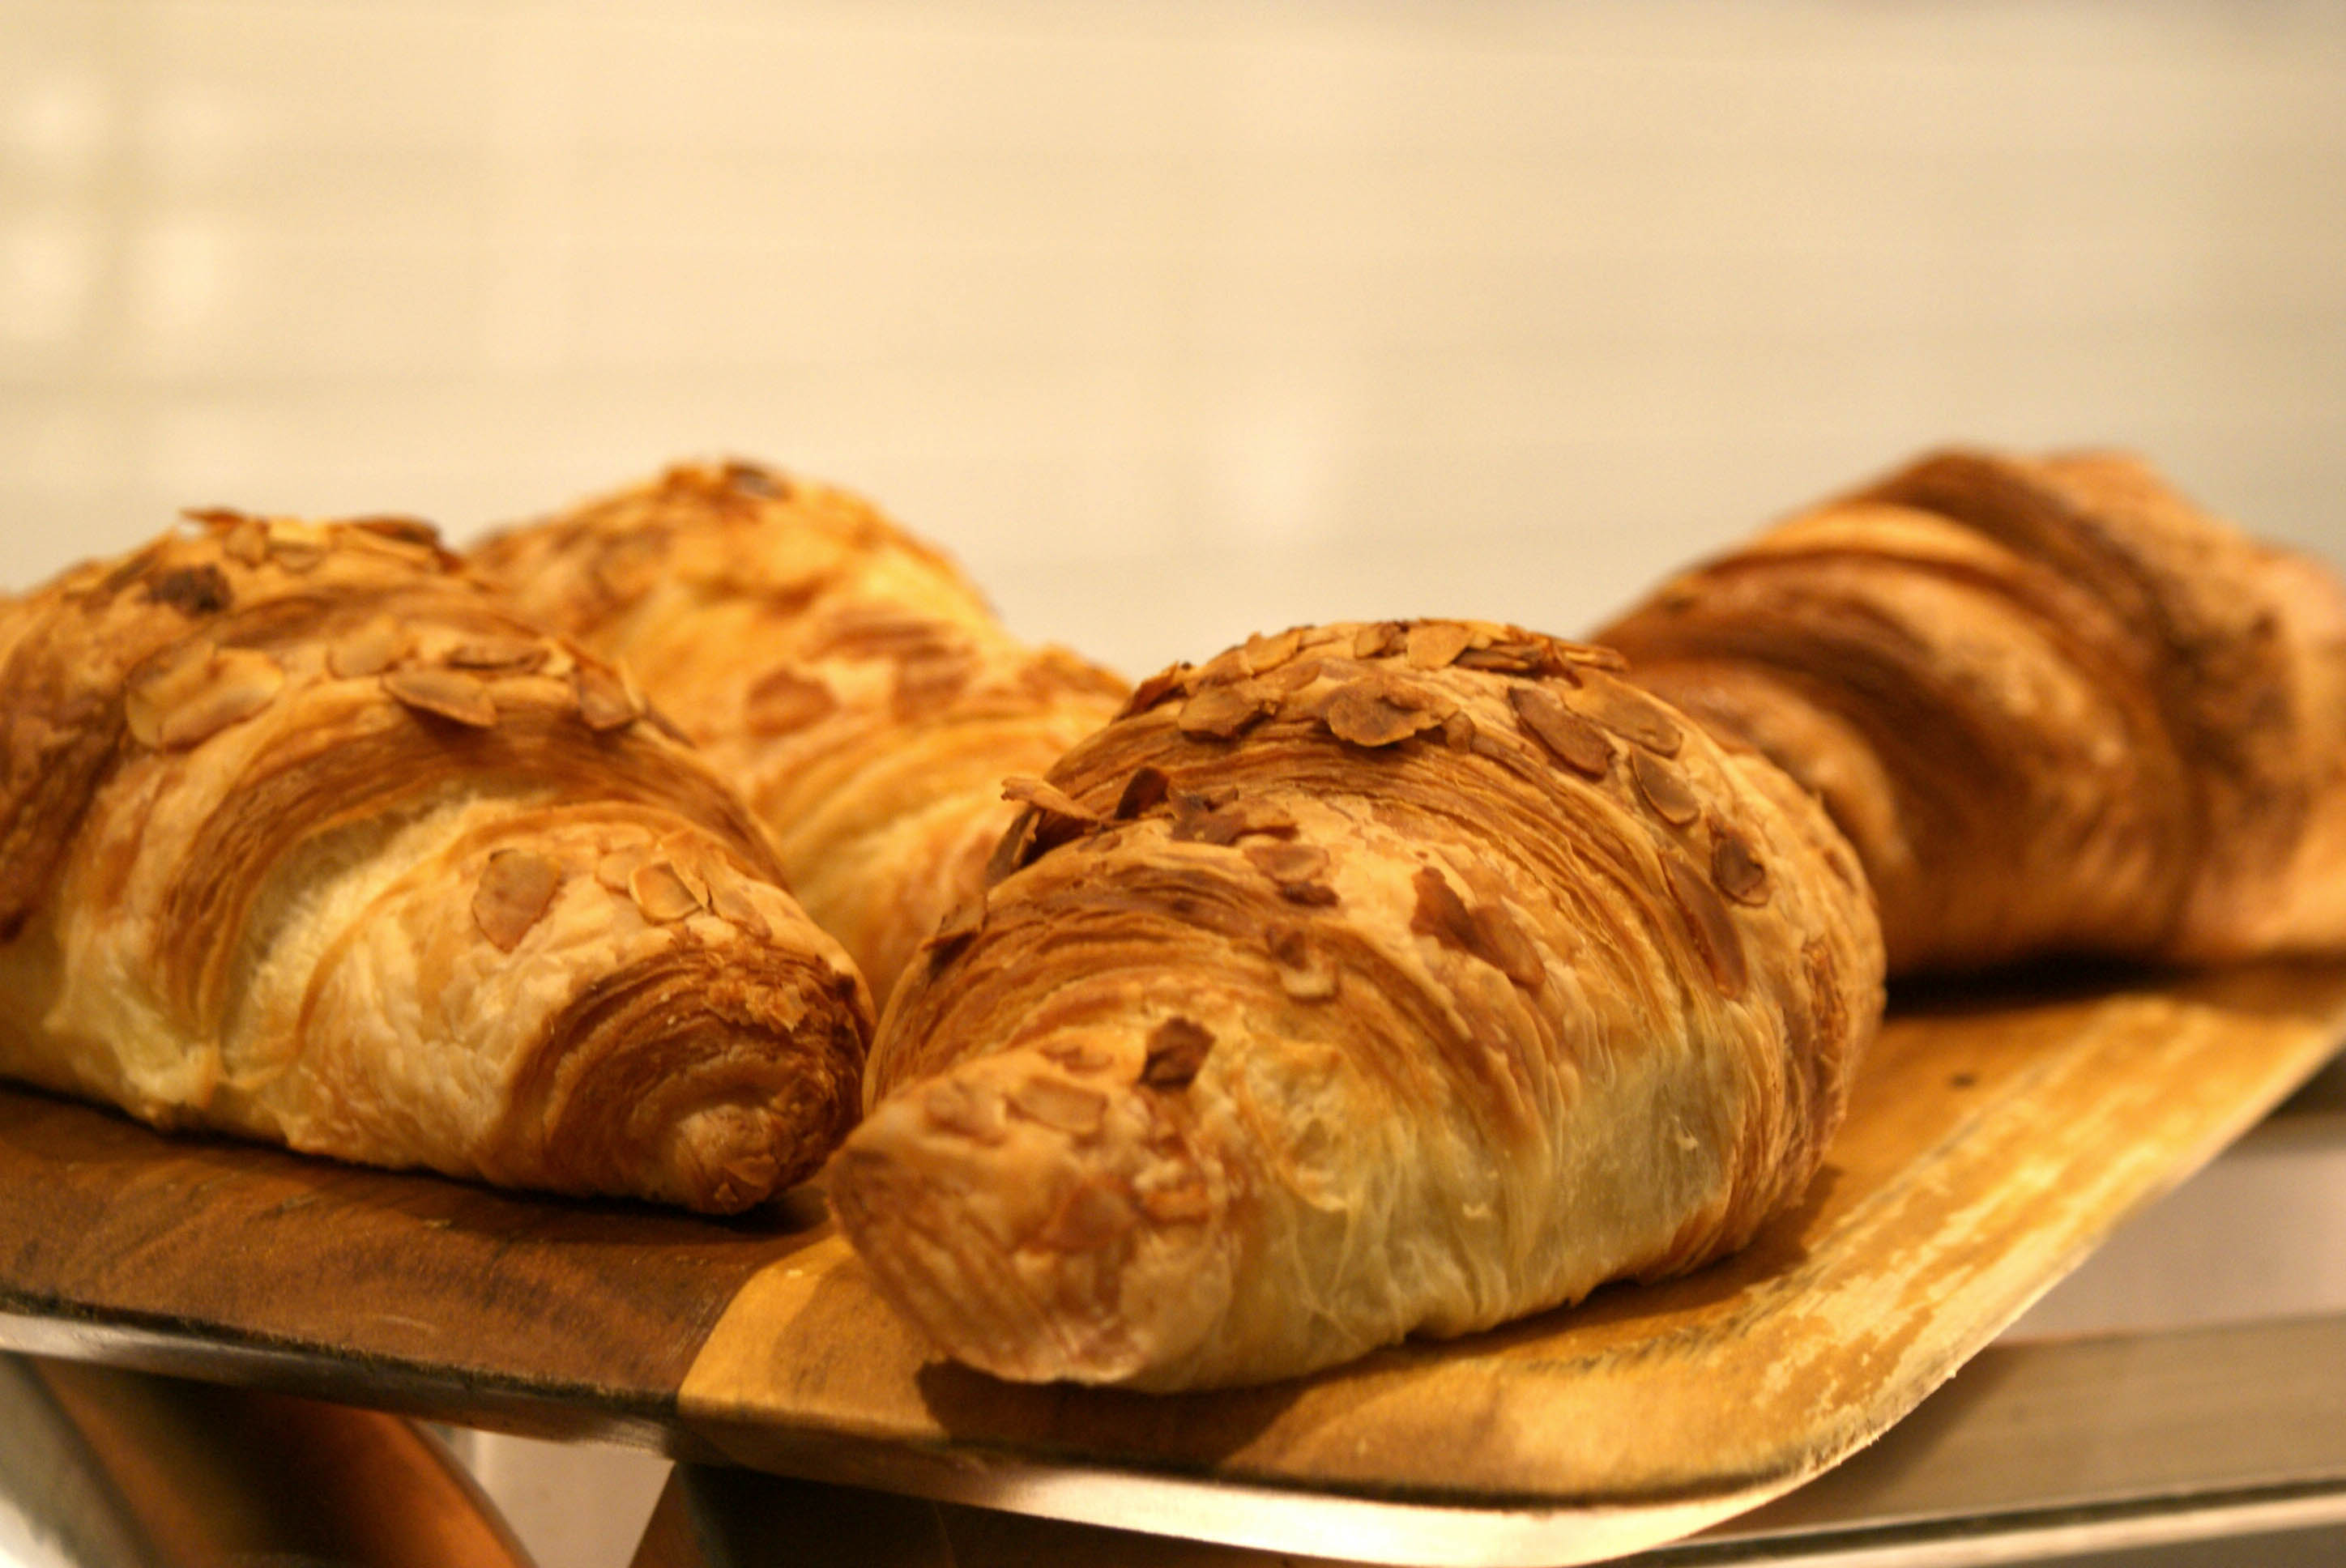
(1173, 319)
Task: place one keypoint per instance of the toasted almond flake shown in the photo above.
(1631, 714)
(1293, 677)
(1286, 860)
(1145, 792)
(197, 695)
(785, 701)
(606, 700)
(731, 898)
(1176, 1054)
(661, 893)
(1376, 641)
(1164, 684)
(1565, 735)
(196, 591)
(1223, 711)
(1735, 869)
(517, 888)
(1375, 713)
(1709, 926)
(1050, 798)
(1079, 1055)
(1056, 1102)
(617, 867)
(930, 683)
(1306, 973)
(1263, 653)
(1177, 1202)
(1663, 788)
(449, 694)
(1090, 1220)
(246, 541)
(1434, 644)
(953, 1105)
(367, 650)
(499, 655)
(399, 530)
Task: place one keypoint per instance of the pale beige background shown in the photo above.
(1173, 321)
(1176, 321)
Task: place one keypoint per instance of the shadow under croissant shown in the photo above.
(1213, 1429)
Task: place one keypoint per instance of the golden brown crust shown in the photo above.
(846, 673)
(299, 834)
(1368, 980)
(2054, 706)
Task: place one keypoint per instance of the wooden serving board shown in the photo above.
(1994, 1138)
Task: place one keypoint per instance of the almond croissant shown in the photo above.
(845, 675)
(302, 837)
(2055, 707)
(1370, 980)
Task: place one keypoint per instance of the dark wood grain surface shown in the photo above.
(420, 1292)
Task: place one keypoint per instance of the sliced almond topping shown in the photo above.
(928, 684)
(1049, 797)
(1293, 677)
(499, 655)
(1376, 641)
(1079, 1055)
(517, 888)
(194, 591)
(1143, 792)
(1434, 644)
(367, 650)
(616, 869)
(1306, 973)
(199, 694)
(955, 1106)
(1165, 683)
(1175, 1203)
(1056, 1102)
(1375, 713)
(687, 855)
(729, 898)
(1568, 738)
(399, 530)
(956, 931)
(1177, 1053)
(1264, 653)
(1709, 926)
(785, 701)
(1737, 871)
(661, 893)
(1489, 932)
(297, 546)
(605, 701)
(1664, 789)
(1286, 860)
(246, 542)
(449, 694)
(1222, 711)
(1630, 713)
(1088, 1222)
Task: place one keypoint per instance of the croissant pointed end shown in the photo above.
(1039, 1224)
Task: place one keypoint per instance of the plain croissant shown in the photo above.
(303, 837)
(845, 675)
(2054, 706)
(1370, 980)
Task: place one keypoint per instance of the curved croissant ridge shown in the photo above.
(303, 837)
(2056, 707)
(843, 672)
(1369, 980)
